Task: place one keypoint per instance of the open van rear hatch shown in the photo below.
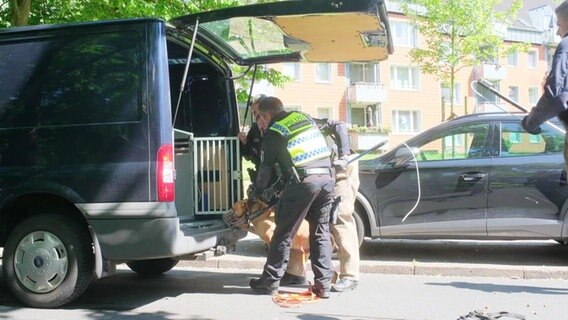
(295, 31)
(291, 31)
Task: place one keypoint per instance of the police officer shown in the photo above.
(295, 143)
(251, 143)
(344, 229)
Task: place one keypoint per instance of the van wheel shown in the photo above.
(360, 227)
(152, 268)
(48, 261)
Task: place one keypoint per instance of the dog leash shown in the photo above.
(258, 213)
(295, 300)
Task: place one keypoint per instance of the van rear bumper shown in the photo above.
(140, 239)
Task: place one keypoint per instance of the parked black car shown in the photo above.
(479, 176)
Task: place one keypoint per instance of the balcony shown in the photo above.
(367, 93)
(494, 72)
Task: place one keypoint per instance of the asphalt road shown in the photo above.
(401, 280)
(206, 294)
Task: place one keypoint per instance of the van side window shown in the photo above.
(71, 80)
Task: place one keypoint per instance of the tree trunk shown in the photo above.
(452, 88)
(20, 12)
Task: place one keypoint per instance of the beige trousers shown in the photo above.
(345, 230)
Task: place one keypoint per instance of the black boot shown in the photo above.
(264, 286)
(292, 280)
(320, 291)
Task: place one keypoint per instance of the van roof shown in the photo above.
(59, 26)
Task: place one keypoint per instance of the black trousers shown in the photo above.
(311, 200)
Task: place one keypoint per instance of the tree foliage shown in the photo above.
(459, 34)
(34, 12)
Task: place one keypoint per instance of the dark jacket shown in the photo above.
(336, 135)
(251, 150)
(553, 101)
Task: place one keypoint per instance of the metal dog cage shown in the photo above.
(208, 173)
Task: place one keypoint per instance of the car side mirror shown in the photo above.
(403, 155)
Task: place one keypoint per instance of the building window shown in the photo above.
(364, 72)
(534, 138)
(514, 93)
(323, 72)
(487, 96)
(406, 121)
(531, 59)
(404, 34)
(366, 116)
(292, 70)
(457, 93)
(533, 95)
(324, 113)
(515, 137)
(403, 77)
(492, 59)
(513, 59)
(549, 56)
(358, 116)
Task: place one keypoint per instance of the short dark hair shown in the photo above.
(256, 99)
(270, 105)
(562, 10)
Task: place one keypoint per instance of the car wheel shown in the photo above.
(48, 260)
(360, 227)
(152, 268)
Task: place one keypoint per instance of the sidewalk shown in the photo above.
(518, 260)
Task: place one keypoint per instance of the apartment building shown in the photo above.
(395, 97)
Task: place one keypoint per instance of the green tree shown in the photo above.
(459, 34)
(24, 12)
(33, 12)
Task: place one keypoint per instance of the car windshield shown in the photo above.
(250, 37)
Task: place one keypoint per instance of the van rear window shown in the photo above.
(85, 79)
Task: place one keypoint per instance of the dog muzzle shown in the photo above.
(233, 221)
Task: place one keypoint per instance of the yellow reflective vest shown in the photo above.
(305, 141)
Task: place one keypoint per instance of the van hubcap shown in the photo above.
(41, 262)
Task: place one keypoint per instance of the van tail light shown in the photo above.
(165, 174)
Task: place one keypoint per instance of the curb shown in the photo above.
(399, 268)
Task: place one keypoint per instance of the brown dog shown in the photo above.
(264, 225)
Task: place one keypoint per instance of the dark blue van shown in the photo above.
(118, 139)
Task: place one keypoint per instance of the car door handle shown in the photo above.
(472, 176)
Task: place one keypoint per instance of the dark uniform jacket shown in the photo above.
(274, 151)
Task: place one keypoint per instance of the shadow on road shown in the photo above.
(492, 288)
(126, 290)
